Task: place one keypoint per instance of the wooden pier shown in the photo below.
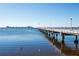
(60, 45)
(55, 33)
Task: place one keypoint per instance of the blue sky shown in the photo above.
(39, 14)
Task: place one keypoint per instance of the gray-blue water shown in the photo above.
(25, 42)
(69, 41)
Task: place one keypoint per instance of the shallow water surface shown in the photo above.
(25, 42)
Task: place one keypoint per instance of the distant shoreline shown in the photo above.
(43, 27)
(15, 27)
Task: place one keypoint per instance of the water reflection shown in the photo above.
(76, 45)
(64, 49)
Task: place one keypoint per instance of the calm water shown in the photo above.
(69, 41)
(15, 42)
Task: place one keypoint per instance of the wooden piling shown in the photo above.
(76, 39)
(62, 38)
(56, 36)
(53, 35)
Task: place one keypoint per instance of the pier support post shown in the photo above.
(49, 33)
(76, 39)
(62, 38)
(56, 36)
(53, 35)
(46, 32)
